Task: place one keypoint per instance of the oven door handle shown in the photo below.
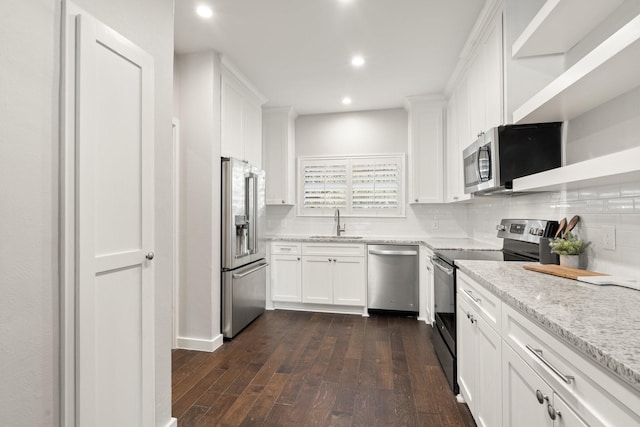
(442, 266)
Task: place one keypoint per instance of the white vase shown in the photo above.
(571, 261)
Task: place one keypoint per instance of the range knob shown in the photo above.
(533, 231)
(500, 227)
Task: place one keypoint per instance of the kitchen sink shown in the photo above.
(335, 237)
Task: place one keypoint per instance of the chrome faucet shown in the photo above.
(336, 218)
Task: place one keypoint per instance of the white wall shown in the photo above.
(198, 90)
(364, 132)
(29, 113)
(29, 62)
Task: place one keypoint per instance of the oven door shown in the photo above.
(444, 293)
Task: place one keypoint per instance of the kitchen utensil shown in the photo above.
(571, 225)
(561, 271)
(561, 226)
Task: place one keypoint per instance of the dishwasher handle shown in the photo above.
(388, 252)
(442, 266)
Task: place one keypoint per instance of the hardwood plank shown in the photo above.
(301, 369)
(241, 406)
(184, 402)
(263, 405)
(215, 412)
(191, 416)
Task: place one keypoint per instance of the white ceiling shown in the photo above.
(298, 52)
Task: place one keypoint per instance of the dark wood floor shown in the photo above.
(313, 369)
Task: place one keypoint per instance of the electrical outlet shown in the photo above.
(435, 224)
(608, 237)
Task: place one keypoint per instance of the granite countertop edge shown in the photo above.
(581, 344)
(433, 243)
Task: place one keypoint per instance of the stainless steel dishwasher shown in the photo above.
(392, 279)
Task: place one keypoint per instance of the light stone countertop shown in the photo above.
(437, 243)
(601, 322)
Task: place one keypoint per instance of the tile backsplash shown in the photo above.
(606, 213)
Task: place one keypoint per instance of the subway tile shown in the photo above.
(609, 192)
(630, 189)
(587, 194)
(596, 206)
(622, 205)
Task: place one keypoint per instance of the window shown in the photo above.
(358, 186)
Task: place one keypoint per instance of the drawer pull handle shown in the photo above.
(468, 292)
(538, 353)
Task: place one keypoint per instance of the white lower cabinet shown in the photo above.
(333, 280)
(528, 400)
(321, 274)
(514, 373)
(317, 275)
(479, 363)
(286, 272)
(286, 276)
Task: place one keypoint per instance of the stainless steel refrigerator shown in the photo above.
(243, 246)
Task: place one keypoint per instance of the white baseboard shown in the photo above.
(200, 344)
(172, 423)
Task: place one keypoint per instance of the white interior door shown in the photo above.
(114, 211)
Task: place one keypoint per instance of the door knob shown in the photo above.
(150, 255)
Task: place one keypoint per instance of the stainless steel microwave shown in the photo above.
(505, 153)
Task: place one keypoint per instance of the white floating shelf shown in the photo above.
(560, 24)
(615, 168)
(606, 72)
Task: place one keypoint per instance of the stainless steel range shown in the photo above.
(521, 243)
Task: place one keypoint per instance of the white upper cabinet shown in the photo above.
(456, 141)
(426, 121)
(241, 126)
(485, 82)
(278, 139)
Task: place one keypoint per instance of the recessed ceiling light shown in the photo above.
(204, 11)
(357, 61)
(346, 100)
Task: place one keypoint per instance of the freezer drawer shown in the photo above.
(243, 296)
(392, 277)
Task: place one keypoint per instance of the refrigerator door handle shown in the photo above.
(251, 197)
(246, 273)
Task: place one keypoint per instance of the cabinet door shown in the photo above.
(492, 82)
(520, 389)
(426, 120)
(316, 279)
(349, 283)
(466, 352)
(286, 272)
(232, 136)
(476, 98)
(565, 416)
(252, 132)
(488, 368)
(278, 155)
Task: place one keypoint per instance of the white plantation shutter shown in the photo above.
(325, 186)
(375, 186)
(359, 186)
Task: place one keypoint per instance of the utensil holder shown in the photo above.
(546, 256)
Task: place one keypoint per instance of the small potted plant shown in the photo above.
(569, 247)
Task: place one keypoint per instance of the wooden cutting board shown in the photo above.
(558, 270)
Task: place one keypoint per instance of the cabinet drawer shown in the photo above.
(481, 299)
(333, 249)
(285, 248)
(598, 398)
